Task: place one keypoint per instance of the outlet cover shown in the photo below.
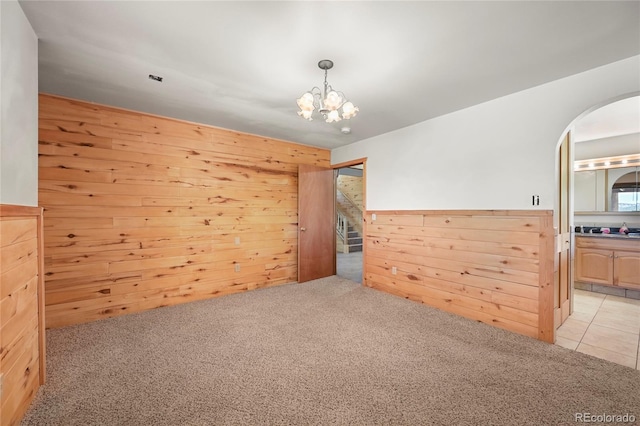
(237, 267)
(236, 241)
(394, 270)
(373, 216)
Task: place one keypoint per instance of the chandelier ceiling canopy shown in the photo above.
(331, 104)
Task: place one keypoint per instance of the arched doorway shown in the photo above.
(604, 303)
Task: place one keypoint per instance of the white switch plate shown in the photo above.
(394, 270)
(373, 216)
(237, 241)
(237, 267)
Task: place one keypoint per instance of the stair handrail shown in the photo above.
(355, 217)
(342, 225)
(353, 203)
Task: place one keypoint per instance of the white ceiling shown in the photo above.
(616, 119)
(241, 65)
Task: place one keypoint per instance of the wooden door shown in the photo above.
(594, 266)
(316, 223)
(563, 264)
(626, 269)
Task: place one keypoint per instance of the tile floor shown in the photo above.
(603, 326)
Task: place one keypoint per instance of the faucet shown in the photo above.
(624, 229)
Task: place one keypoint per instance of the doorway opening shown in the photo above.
(604, 263)
(349, 211)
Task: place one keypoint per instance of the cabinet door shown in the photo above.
(594, 266)
(626, 269)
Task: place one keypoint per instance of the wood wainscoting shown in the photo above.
(144, 211)
(22, 343)
(490, 266)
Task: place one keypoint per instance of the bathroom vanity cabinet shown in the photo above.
(608, 260)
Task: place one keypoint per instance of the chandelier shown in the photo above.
(333, 105)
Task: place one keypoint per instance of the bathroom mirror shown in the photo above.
(607, 190)
(624, 189)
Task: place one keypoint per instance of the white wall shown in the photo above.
(19, 107)
(608, 147)
(495, 155)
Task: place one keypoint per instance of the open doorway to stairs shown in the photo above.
(350, 206)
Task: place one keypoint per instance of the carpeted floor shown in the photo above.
(325, 352)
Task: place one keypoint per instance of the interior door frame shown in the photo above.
(350, 163)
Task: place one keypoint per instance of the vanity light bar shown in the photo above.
(607, 162)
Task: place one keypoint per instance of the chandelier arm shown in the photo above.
(342, 97)
(317, 97)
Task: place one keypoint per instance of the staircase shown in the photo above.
(348, 238)
(354, 241)
(349, 214)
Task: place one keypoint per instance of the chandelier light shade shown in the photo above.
(330, 103)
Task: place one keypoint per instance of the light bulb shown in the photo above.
(349, 111)
(333, 116)
(306, 114)
(333, 100)
(305, 102)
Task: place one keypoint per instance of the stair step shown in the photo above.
(352, 241)
(352, 234)
(355, 247)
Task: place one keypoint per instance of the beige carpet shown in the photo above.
(325, 352)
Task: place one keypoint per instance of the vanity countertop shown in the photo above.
(633, 236)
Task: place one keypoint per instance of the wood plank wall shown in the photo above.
(21, 325)
(491, 266)
(350, 201)
(352, 187)
(144, 211)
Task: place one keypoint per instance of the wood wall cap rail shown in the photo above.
(17, 210)
(463, 212)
